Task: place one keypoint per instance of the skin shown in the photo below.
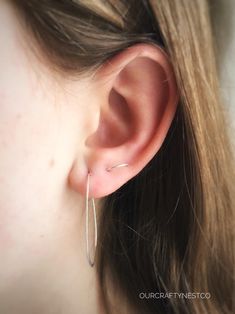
(52, 131)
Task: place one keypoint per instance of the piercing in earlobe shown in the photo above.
(116, 166)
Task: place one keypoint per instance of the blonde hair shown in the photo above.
(171, 227)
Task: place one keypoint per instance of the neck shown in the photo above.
(57, 277)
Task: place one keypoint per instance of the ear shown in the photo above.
(136, 96)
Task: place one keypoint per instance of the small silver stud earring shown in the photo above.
(91, 261)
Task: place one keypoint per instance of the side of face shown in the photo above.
(53, 130)
(38, 118)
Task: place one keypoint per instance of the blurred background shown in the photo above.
(223, 19)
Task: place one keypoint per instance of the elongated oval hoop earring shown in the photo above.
(90, 261)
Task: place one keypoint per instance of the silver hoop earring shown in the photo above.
(90, 261)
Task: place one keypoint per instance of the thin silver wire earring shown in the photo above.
(116, 166)
(90, 260)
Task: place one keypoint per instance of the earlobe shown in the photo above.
(138, 103)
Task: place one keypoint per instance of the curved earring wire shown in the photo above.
(90, 261)
(116, 166)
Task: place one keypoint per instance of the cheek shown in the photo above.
(27, 127)
(26, 146)
(27, 183)
(35, 132)
(17, 144)
(36, 153)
